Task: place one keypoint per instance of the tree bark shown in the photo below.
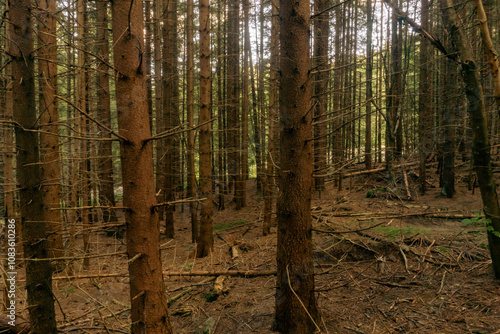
(28, 169)
(205, 237)
(321, 34)
(296, 308)
(105, 162)
(271, 119)
(369, 92)
(147, 290)
(489, 50)
(233, 96)
(425, 114)
(190, 116)
(480, 141)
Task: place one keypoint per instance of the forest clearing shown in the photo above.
(239, 166)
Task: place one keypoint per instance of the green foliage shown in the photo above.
(480, 220)
(187, 266)
(227, 226)
(372, 193)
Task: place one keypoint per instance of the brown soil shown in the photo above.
(410, 274)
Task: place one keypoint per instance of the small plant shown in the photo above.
(479, 219)
(187, 266)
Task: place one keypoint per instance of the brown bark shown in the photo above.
(296, 308)
(147, 291)
(170, 154)
(28, 169)
(190, 116)
(425, 114)
(480, 142)
(489, 50)
(369, 92)
(148, 41)
(105, 162)
(205, 237)
(233, 96)
(245, 109)
(273, 112)
(321, 34)
(448, 123)
(49, 118)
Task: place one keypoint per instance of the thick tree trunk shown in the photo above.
(49, 118)
(105, 162)
(29, 174)
(205, 237)
(147, 289)
(296, 309)
(480, 142)
(321, 34)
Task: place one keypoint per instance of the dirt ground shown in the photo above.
(423, 268)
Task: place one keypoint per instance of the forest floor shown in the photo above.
(423, 268)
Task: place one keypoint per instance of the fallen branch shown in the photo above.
(233, 273)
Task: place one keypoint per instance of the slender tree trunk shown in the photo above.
(337, 96)
(147, 289)
(321, 34)
(448, 123)
(233, 97)
(273, 112)
(170, 154)
(245, 109)
(190, 116)
(205, 237)
(489, 50)
(369, 91)
(105, 162)
(425, 114)
(28, 170)
(296, 309)
(480, 143)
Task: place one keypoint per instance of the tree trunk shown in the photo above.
(273, 107)
(190, 116)
(245, 109)
(170, 153)
(425, 114)
(480, 142)
(28, 169)
(147, 289)
(233, 97)
(296, 309)
(321, 34)
(448, 123)
(205, 237)
(105, 162)
(369, 92)
(489, 50)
